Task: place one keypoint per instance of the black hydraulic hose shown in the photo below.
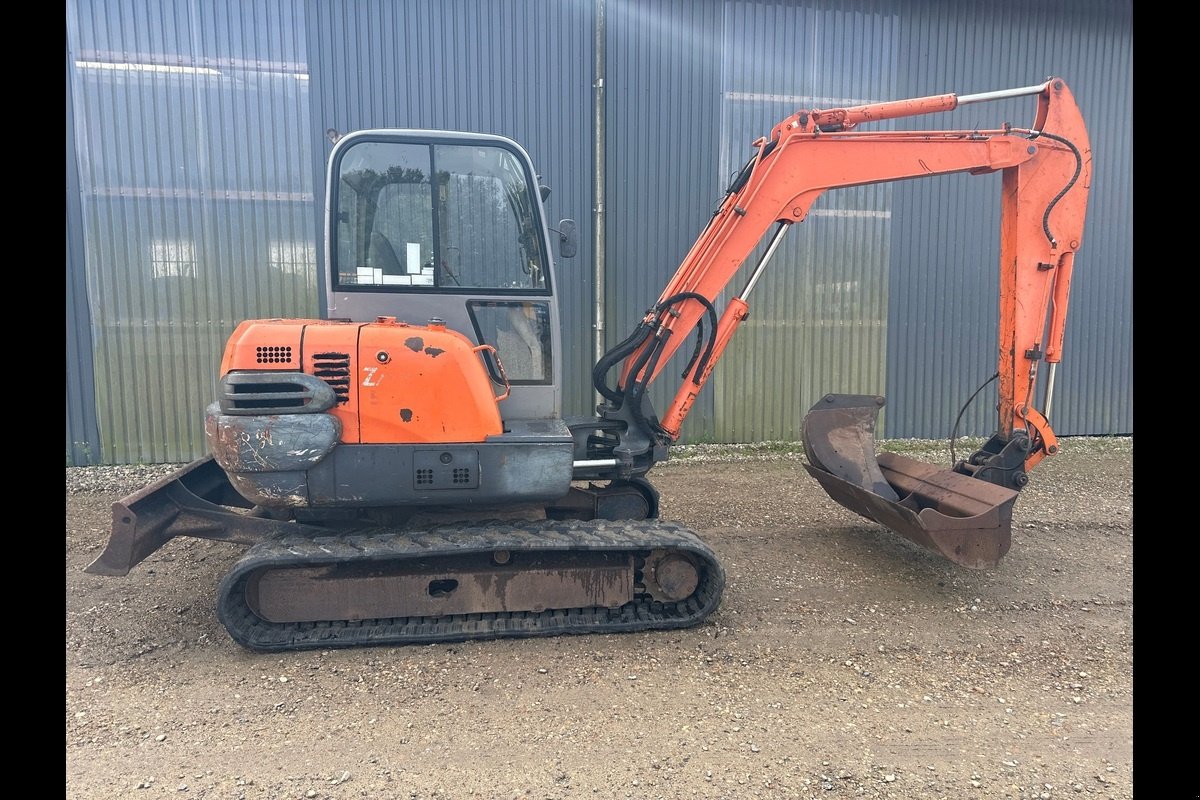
(747, 170)
(640, 362)
(961, 411)
(696, 350)
(639, 336)
(712, 316)
(634, 393)
(1065, 189)
(618, 353)
(743, 175)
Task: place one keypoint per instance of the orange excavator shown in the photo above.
(397, 481)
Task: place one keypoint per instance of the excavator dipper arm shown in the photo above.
(1045, 180)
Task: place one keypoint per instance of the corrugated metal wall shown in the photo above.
(196, 182)
(819, 315)
(944, 289)
(83, 436)
(200, 136)
(691, 85)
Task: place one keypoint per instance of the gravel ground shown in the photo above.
(843, 662)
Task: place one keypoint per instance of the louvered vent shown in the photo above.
(274, 392)
(334, 369)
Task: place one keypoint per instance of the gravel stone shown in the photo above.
(912, 687)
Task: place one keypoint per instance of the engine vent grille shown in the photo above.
(334, 369)
(279, 354)
(274, 392)
(446, 468)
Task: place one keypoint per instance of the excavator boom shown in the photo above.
(1046, 174)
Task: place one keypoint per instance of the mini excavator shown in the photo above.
(400, 471)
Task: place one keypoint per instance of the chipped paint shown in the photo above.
(414, 343)
(434, 352)
(253, 489)
(406, 414)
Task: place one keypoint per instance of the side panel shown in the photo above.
(498, 472)
(491, 473)
(422, 385)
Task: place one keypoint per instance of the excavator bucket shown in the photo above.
(963, 519)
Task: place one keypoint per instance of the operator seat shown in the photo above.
(382, 255)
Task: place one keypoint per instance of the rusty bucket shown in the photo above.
(963, 519)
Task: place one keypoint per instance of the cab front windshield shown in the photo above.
(418, 216)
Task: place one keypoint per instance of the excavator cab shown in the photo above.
(448, 226)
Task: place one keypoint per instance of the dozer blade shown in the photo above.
(963, 519)
(195, 500)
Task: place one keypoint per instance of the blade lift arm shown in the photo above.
(1046, 175)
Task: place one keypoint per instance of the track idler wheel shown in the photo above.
(963, 519)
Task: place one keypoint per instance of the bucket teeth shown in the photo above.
(963, 519)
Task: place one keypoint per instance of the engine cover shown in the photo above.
(392, 383)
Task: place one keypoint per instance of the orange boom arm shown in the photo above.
(1046, 175)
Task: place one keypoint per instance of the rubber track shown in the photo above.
(547, 536)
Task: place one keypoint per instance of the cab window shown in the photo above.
(419, 217)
